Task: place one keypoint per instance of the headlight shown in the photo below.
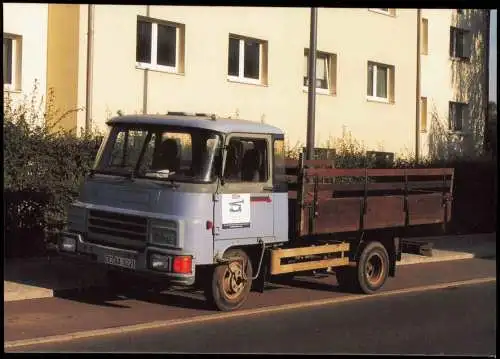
(159, 262)
(68, 244)
(164, 233)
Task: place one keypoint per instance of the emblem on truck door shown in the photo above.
(235, 210)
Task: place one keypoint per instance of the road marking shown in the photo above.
(242, 313)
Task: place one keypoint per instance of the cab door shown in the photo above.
(243, 207)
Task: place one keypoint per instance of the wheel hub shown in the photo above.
(374, 269)
(233, 280)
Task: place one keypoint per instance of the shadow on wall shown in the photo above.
(468, 79)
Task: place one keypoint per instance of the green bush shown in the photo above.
(43, 169)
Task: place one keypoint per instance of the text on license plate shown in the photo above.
(119, 261)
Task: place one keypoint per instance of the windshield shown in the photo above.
(161, 152)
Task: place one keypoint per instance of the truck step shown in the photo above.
(416, 247)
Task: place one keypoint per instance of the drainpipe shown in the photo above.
(311, 99)
(90, 53)
(145, 81)
(417, 102)
(486, 136)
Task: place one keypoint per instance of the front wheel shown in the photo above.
(228, 288)
(370, 273)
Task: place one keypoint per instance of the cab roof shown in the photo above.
(223, 125)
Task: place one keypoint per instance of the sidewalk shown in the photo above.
(42, 277)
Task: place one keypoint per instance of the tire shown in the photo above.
(227, 290)
(372, 268)
(370, 273)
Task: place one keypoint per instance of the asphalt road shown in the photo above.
(98, 310)
(457, 320)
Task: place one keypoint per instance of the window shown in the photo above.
(160, 46)
(246, 160)
(385, 11)
(326, 70)
(424, 37)
(458, 116)
(423, 114)
(247, 60)
(159, 153)
(380, 84)
(459, 43)
(11, 62)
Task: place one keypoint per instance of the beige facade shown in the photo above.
(367, 69)
(446, 79)
(25, 49)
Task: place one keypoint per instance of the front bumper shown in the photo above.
(97, 253)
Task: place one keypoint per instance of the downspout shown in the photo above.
(90, 57)
(311, 103)
(417, 102)
(145, 81)
(487, 119)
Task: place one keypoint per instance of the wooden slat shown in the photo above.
(384, 186)
(335, 172)
(277, 268)
(377, 172)
(306, 251)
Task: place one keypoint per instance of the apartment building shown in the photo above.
(251, 63)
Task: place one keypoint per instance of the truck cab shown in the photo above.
(169, 195)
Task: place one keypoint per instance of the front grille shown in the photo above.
(117, 225)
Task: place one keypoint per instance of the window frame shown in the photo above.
(331, 75)
(451, 121)
(465, 55)
(153, 65)
(241, 63)
(16, 57)
(373, 96)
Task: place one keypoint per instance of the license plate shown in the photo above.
(120, 261)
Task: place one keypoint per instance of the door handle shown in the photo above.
(268, 188)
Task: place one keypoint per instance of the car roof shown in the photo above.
(224, 125)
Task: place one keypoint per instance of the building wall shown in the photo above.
(445, 79)
(119, 85)
(29, 21)
(63, 62)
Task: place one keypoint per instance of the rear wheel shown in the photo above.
(229, 288)
(370, 273)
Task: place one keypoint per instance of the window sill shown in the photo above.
(246, 81)
(460, 59)
(10, 89)
(386, 13)
(164, 69)
(320, 91)
(379, 100)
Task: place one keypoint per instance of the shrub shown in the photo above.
(42, 172)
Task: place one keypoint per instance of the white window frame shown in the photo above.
(329, 90)
(389, 12)
(241, 66)
(15, 63)
(154, 48)
(374, 96)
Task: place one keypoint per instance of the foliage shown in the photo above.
(43, 168)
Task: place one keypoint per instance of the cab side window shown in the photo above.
(246, 160)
